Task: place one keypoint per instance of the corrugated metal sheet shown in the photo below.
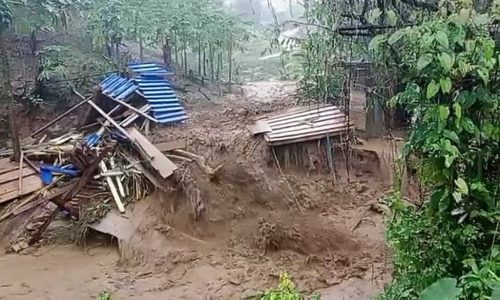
(150, 83)
(118, 87)
(164, 103)
(148, 68)
(305, 124)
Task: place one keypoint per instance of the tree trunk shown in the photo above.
(167, 53)
(109, 49)
(211, 55)
(117, 50)
(199, 57)
(230, 58)
(185, 58)
(176, 49)
(219, 64)
(33, 42)
(204, 62)
(141, 49)
(8, 98)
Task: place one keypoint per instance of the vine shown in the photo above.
(450, 71)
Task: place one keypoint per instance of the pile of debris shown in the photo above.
(108, 163)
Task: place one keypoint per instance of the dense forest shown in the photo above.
(437, 60)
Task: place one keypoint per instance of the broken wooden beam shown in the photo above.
(149, 152)
(102, 113)
(108, 118)
(172, 145)
(136, 110)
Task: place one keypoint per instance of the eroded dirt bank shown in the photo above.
(255, 223)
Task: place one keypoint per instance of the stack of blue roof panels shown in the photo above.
(149, 81)
(158, 92)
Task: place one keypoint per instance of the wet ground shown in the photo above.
(258, 223)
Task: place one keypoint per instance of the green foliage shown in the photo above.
(5, 15)
(286, 291)
(443, 289)
(65, 67)
(193, 27)
(450, 69)
(105, 296)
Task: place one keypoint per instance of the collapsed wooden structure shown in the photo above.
(305, 136)
(108, 162)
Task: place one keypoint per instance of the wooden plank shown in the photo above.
(172, 145)
(14, 174)
(158, 160)
(9, 191)
(13, 185)
(6, 165)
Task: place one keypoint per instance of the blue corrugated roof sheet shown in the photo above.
(149, 82)
(148, 68)
(164, 103)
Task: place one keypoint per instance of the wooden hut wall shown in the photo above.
(303, 155)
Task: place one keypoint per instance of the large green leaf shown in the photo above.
(468, 125)
(458, 110)
(376, 41)
(424, 61)
(442, 39)
(443, 289)
(462, 186)
(445, 84)
(446, 60)
(392, 18)
(396, 36)
(452, 136)
(432, 89)
(483, 73)
(374, 15)
(443, 112)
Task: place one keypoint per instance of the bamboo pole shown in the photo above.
(118, 182)
(112, 188)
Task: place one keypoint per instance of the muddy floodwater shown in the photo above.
(325, 231)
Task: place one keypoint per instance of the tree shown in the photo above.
(449, 68)
(5, 23)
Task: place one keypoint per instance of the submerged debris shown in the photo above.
(106, 164)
